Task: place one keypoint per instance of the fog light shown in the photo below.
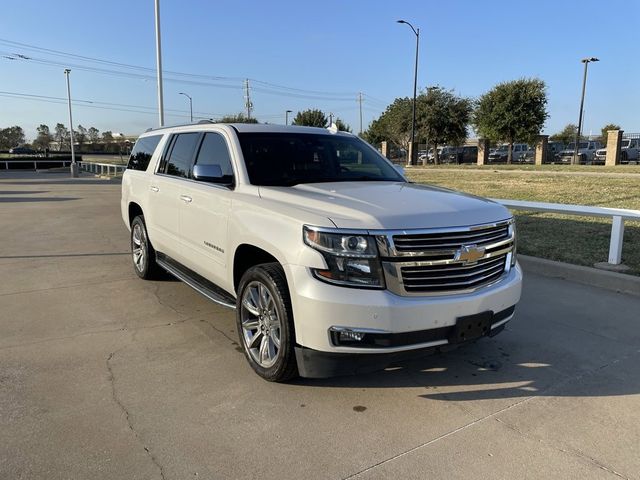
(350, 336)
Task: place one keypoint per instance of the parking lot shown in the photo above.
(103, 375)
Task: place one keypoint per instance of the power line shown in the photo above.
(206, 80)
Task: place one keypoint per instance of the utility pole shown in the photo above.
(286, 116)
(74, 165)
(190, 104)
(330, 118)
(247, 99)
(360, 101)
(414, 153)
(586, 61)
(159, 66)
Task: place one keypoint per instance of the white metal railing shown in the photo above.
(102, 168)
(617, 215)
(47, 160)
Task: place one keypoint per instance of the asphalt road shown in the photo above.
(105, 376)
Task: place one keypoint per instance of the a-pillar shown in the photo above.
(542, 146)
(614, 142)
(483, 151)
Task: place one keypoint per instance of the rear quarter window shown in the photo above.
(142, 152)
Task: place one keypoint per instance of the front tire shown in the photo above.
(264, 321)
(142, 252)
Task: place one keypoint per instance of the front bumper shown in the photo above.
(316, 364)
(318, 306)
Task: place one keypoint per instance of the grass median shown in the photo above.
(572, 239)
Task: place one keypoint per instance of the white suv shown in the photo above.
(334, 262)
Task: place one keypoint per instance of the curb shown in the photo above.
(617, 282)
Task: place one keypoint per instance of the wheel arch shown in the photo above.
(134, 210)
(247, 256)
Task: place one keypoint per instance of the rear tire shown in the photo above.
(264, 320)
(142, 252)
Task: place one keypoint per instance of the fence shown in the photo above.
(617, 215)
(102, 168)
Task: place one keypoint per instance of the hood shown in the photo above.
(388, 205)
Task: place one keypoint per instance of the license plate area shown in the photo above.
(471, 327)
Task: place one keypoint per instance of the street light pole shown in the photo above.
(286, 116)
(74, 165)
(586, 62)
(190, 104)
(412, 160)
(159, 65)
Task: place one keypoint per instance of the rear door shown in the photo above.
(166, 190)
(205, 212)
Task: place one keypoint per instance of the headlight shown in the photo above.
(512, 229)
(352, 258)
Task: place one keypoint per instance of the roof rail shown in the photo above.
(205, 121)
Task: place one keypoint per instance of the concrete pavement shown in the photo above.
(105, 376)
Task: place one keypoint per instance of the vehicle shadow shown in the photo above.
(490, 369)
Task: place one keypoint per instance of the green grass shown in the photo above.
(578, 240)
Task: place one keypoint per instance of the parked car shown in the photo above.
(333, 261)
(466, 154)
(553, 151)
(501, 154)
(528, 156)
(629, 152)
(586, 151)
(22, 151)
(443, 154)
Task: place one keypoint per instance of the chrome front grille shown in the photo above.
(429, 242)
(446, 261)
(441, 278)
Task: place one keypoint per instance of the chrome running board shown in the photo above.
(195, 281)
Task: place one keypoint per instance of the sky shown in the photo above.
(301, 54)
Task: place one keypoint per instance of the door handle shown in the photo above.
(186, 198)
(154, 188)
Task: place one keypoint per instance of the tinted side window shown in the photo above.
(214, 151)
(142, 152)
(181, 156)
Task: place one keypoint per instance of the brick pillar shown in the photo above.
(614, 141)
(542, 146)
(483, 151)
(384, 149)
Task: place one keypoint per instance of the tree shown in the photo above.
(94, 135)
(342, 127)
(239, 118)
(61, 135)
(311, 118)
(605, 131)
(394, 124)
(107, 136)
(442, 118)
(375, 133)
(44, 137)
(11, 137)
(566, 135)
(512, 111)
(80, 136)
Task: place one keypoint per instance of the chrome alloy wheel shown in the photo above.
(139, 247)
(260, 324)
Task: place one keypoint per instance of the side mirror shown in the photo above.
(207, 173)
(400, 169)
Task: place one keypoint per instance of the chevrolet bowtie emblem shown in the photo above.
(469, 254)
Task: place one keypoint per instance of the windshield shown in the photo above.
(625, 143)
(286, 159)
